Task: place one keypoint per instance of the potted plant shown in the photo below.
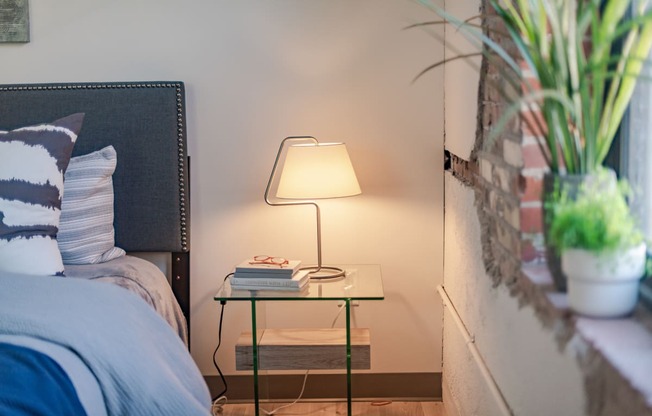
(603, 253)
(583, 58)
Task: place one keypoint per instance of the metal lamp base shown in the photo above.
(325, 272)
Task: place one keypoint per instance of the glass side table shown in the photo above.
(362, 282)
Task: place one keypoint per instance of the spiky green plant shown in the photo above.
(586, 55)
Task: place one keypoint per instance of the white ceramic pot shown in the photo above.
(603, 285)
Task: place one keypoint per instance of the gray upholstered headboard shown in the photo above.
(145, 123)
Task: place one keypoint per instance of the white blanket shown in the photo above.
(142, 366)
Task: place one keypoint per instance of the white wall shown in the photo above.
(255, 72)
(461, 81)
(533, 375)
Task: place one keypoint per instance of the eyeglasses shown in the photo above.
(276, 261)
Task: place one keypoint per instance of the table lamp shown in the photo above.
(312, 170)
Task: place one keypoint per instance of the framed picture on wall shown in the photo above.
(14, 21)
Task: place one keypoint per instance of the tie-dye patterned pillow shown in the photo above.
(33, 161)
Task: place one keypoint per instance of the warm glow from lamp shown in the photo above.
(319, 170)
(312, 170)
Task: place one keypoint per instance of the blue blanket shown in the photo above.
(142, 366)
(20, 370)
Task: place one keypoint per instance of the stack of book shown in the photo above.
(251, 275)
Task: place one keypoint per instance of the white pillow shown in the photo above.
(86, 234)
(34, 160)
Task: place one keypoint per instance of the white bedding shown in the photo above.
(139, 362)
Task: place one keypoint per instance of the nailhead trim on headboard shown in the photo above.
(182, 190)
(180, 132)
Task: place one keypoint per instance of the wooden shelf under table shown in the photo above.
(304, 349)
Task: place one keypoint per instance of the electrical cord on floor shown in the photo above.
(305, 377)
(220, 399)
(303, 387)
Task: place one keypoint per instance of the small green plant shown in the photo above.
(598, 219)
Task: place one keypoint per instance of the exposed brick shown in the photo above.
(533, 123)
(525, 67)
(532, 248)
(531, 219)
(464, 170)
(507, 262)
(505, 208)
(532, 84)
(501, 178)
(532, 156)
(509, 171)
(513, 153)
(528, 251)
(514, 185)
(500, 263)
(492, 93)
(496, 148)
(531, 188)
(486, 170)
(491, 115)
(508, 237)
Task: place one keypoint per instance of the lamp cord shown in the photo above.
(220, 399)
(305, 377)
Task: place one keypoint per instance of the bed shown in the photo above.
(117, 152)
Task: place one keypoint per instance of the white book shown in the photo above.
(296, 281)
(263, 289)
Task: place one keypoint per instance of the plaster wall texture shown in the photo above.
(255, 72)
(534, 376)
(465, 390)
(461, 83)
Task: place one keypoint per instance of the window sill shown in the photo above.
(622, 346)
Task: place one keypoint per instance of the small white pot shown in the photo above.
(603, 285)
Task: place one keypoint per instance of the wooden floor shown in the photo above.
(339, 408)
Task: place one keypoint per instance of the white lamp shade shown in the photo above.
(314, 171)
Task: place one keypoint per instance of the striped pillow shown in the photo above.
(34, 160)
(86, 234)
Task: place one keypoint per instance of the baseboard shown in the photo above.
(404, 386)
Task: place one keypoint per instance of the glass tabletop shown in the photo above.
(361, 282)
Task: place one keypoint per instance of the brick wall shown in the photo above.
(533, 168)
(507, 174)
